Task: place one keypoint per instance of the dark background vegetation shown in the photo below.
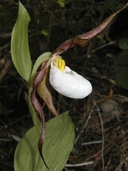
(106, 109)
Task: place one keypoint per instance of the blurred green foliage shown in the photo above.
(122, 64)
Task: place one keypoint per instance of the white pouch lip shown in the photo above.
(69, 83)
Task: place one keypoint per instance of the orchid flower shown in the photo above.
(67, 82)
(64, 81)
(61, 77)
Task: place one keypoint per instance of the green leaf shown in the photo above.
(56, 149)
(61, 3)
(19, 44)
(122, 77)
(123, 43)
(122, 58)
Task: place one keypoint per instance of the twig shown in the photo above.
(97, 156)
(85, 125)
(16, 138)
(80, 164)
(5, 69)
(101, 47)
(93, 142)
(113, 142)
(5, 139)
(6, 126)
(6, 35)
(122, 97)
(4, 47)
(102, 129)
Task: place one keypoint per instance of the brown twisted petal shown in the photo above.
(38, 108)
(40, 111)
(40, 75)
(84, 39)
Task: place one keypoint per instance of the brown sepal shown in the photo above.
(84, 39)
(44, 93)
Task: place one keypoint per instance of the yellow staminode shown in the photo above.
(59, 63)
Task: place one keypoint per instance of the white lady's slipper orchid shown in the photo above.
(67, 82)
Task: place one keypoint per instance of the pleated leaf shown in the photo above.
(56, 149)
(19, 44)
